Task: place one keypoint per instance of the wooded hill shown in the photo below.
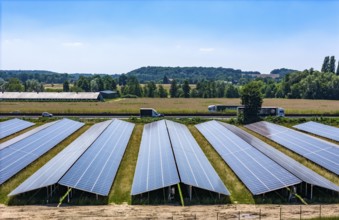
(145, 74)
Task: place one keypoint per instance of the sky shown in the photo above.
(112, 36)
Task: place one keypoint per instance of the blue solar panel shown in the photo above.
(305, 174)
(21, 153)
(12, 126)
(25, 135)
(194, 168)
(259, 173)
(319, 151)
(322, 130)
(54, 169)
(156, 167)
(96, 169)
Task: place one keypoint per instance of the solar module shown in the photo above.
(319, 129)
(95, 170)
(321, 152)
(26, 134)
(18, 155)
(12, 126)
(156, 166)
(259, 173)
(54, 169)
(193, 166)
(303, 173)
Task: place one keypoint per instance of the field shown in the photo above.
(268, 212)
(166, 106)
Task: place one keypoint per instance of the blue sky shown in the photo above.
(119, 36)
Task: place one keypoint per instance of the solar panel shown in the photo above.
(193, 166)
(12, 126)
(17, 156)
(305, 174)
(156, 167)
(54, 169)
(96, 169)
(24, 135)
(259, 173)
(319, 151)
(322, 130)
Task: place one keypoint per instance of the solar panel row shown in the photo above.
(54, 169)
(24, 135)
(155, 166)
(89, 163)
(297, 169)
(158, 167)
(12, 126)
(18, 155)
(322, 130)
(259, 173)
(193, 166)
(321, 152)
(96, 169)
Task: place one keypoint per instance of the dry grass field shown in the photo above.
(203, 212)
(168, 105)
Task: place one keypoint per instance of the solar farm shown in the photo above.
(167, 162)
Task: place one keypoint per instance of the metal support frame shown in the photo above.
(190, 191)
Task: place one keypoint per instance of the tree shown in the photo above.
(337, 73)
(84, 84)
(122, 80)
(232, 92)
(66, 86)
(331, 65)
(151, 89)
(251, 98)
(186, 89)
(33, 85)
(324, 67)
(94, 85)
(174, 89)
(162, 92)
(165, 80)
(132, 87)
(14, 85)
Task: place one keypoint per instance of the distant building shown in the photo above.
(51, 96)
(109, 94)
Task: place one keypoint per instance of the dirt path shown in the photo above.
(167, 212)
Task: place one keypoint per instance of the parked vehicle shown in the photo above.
(149, 112)
(46, 114)
(222, 108)
(267, 111)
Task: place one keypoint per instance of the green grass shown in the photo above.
(121, 189)
(239, 193)
(16, 180)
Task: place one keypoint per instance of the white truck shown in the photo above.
(149, 112)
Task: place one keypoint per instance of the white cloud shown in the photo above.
(207, 49)
(72, 44)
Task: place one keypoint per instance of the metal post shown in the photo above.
(190, 187)
(67, 195)
(320, 211)
(306, 189)
(259, 214)
(311, 191)
(217, 215)
(280, 212)
(96, 196)
(239, 215)
(300, 211)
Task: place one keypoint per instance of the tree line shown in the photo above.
(307, 84)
